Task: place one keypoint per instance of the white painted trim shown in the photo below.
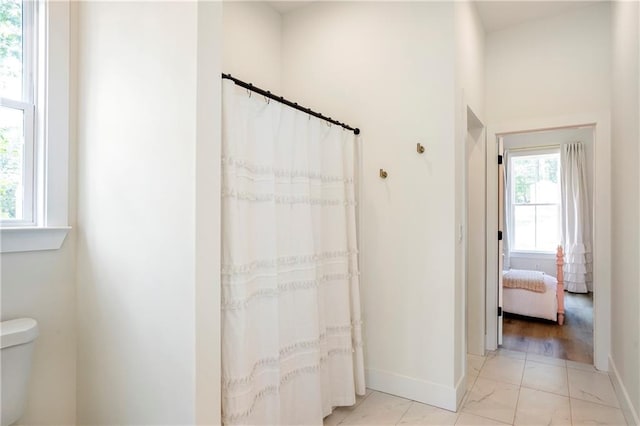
(533, 255)
(416, 390)
(461, 388)
(601, 221)
(55, 152)
(14, 240)
(629, 411)
(491, 312)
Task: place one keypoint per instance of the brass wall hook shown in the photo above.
(420, 148)
(383, 174)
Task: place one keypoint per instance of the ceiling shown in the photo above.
(495, 15)
(287, 6)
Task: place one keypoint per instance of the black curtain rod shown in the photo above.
(287, 102)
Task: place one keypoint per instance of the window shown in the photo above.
(17, 112)
(535, 201)
(34, 124)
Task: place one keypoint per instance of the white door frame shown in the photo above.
(474, 275)
(601, 223)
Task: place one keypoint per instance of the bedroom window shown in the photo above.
(535, 201)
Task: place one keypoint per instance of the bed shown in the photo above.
(546, 302)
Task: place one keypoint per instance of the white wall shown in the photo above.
(252, 48)
(550, 67)
(41, 285)
(470, 56)
(547, 262)
(389, 69)
(142, 341)
(548, 73)
(208, 227)
(625, 139)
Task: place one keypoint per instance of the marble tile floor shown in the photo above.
(504, 388)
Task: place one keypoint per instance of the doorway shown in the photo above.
(475, 225)
(531, 219)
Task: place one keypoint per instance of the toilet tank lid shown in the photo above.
(17, 331)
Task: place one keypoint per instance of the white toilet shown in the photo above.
(16, 339)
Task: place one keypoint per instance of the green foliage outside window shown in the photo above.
(10, 48)
(527, 171)
(10, 87)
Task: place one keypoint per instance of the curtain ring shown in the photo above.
(250, 93)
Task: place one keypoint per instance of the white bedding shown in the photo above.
(532, 304)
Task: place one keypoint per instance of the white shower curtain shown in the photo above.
(291, 328)
(576, 223)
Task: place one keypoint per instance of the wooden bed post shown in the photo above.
(560, 287)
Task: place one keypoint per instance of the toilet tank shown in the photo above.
(17, 341)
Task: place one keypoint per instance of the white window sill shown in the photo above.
(21, 239)
(533, 254)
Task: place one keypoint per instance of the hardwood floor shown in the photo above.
(572, 341)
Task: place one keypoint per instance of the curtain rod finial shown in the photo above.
(356, 131)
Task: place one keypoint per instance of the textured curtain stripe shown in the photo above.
(235, 280)
(269, 389)
(231, 269)
(234, 417)
(286, 199)
(262, 170)
(282, 288)
(274, 363)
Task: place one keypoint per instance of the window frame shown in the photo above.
(48, 226)
(530, 152)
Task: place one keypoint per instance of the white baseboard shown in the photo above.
(629, 411)
(414, 389)
(461, 390)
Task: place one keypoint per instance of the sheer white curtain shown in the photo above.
(576, 223)
(291, 329)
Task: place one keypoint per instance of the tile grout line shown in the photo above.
(598, 403)
(602, 404)
(366, 395)
(405, 412)
(515, 411)
(498, 381)
(569, 392)
(544, 391)
(371, 391)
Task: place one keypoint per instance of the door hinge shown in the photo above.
(499, 159)
(499, 311)
(499, 235)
